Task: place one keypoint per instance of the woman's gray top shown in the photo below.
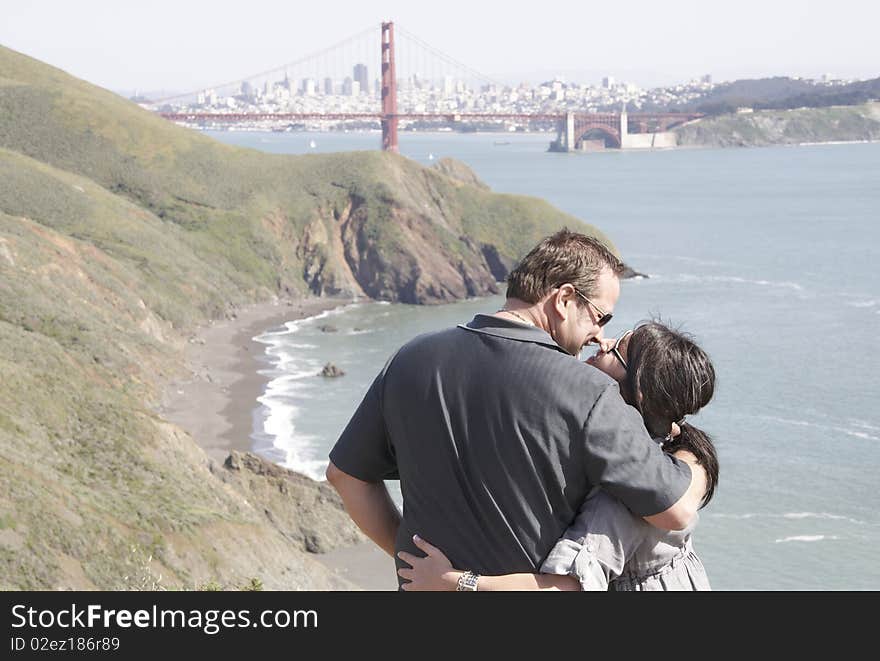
(607, 547)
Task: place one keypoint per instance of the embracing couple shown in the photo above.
(522, 467)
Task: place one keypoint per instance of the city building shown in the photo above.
(350, 87)
(360, 75)
(308, 87)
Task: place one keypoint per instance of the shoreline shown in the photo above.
(215, 403)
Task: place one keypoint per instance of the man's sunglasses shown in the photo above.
(604, 317)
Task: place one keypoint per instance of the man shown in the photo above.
(498, 433)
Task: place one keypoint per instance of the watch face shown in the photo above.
(468, 582)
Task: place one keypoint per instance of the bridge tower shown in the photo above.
(389, 90)
(570, 137)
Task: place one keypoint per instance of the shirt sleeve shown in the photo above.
(597, 545)
(364, 449)
(622, 458)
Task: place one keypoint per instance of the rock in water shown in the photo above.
(328, 328)
(331, 370)
(629, 272)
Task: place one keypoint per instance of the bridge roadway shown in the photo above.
(609, 117)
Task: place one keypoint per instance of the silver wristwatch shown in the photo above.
(467, 582)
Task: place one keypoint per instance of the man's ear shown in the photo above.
(560, 299)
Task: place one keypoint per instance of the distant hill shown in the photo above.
(784, 127)
(119, 232)
(780, 93)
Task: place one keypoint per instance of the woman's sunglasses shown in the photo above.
(615, 349)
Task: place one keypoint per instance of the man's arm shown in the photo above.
(360, 462)
(679, 516)
(369, 505)
(623, 459)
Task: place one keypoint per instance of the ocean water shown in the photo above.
(769, 257)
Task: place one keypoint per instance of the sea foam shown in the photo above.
(275, 425)
(787, 515)
(849, 431)
(737, 280)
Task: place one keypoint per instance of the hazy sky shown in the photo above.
(183, 45)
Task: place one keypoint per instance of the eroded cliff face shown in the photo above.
(417, 235)
(408, 248)
(416, 267)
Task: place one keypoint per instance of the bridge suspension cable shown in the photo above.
(443, 57)
(335, 48)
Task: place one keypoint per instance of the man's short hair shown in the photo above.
(564, 257)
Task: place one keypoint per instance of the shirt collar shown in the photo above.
(510, 330)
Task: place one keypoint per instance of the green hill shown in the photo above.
(120, 231)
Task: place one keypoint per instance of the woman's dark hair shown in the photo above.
(669, 377)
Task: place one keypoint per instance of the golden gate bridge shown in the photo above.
(573, 127)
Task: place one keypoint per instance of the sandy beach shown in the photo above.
(215, 404)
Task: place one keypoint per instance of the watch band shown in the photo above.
(467, 582)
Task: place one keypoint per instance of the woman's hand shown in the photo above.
(433, 572)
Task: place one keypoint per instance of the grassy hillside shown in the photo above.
(118, 233)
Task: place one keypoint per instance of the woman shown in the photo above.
(666, 376)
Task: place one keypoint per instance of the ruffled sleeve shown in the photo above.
(596, 546)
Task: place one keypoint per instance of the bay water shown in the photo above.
(768, 257)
